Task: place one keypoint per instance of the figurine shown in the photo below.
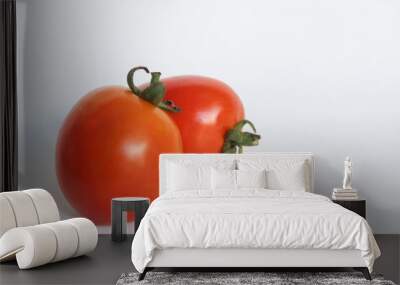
(347, 174)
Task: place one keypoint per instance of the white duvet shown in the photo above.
(250, 219)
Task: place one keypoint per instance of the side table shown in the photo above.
(357, 206)
(119, 208)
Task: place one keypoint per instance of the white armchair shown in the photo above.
(31, 230)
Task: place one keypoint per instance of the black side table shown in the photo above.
(119, 208)
(357, 206)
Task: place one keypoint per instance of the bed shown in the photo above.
(248, 210)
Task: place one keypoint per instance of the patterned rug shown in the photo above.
(269, 278)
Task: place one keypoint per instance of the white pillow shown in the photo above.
(251, 178)
(223, 179)
(292, 178)
(282, 174)
(183, 177)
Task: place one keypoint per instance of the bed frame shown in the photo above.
(236, 259)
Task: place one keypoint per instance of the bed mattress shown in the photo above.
(250, 219)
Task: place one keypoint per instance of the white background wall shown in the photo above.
(320, 76)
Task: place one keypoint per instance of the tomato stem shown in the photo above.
(154, 93)
(236, 139)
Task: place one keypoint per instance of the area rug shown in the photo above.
(269, 278)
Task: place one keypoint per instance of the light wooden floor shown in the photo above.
(110, 260)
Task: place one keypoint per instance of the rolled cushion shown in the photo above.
(37, 245)
(67, 239)
(23, 208)
(7, 219)
(46, 207)
(33, 246)
(26, 208)
(87, 234)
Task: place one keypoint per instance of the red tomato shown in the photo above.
(209, 108)
(108, 147)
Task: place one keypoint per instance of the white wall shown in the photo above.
(320, 76)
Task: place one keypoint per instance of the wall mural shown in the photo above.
(109, 143)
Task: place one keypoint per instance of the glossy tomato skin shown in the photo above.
(209, 109)
(109, 147)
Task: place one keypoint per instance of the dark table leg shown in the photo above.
(118, 226)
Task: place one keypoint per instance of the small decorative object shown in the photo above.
(343, 194)
(347, 192)
(347, 174)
